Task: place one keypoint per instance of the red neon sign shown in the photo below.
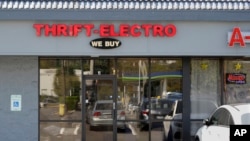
(235, 78)
(106, 30)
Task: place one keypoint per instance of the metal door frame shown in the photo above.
(114, 98)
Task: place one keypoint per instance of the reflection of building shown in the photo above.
(47, 78)
(46, 81)
(161, 79)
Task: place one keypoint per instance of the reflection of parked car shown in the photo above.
(101, 114)
(171, 133)
(174, 95)
(47, 101)
(200, 109)
(216, 127)
(159, 109)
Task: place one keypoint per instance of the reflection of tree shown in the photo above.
(102, 65)
(48, 64)
(166, 65)
(104, 89)
(66, 83)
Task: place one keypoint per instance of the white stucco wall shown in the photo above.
(19, 75)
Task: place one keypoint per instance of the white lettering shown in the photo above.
(96, 43)
(107, 44)
(243, 131)
(117, 43)
(239, 132)
(112, 43)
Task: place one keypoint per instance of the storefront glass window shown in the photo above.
(148, 94)
(205, 90)
(60, 86)
(152, 93)
(166, 77)
(166, 87)
(132, 74)
(61, 80)
(236, 81)
(60, 131)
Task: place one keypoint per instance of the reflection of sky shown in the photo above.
(203, 106)
(245, 118)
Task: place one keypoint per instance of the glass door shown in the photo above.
(100, 108)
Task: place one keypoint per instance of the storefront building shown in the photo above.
(60, 58)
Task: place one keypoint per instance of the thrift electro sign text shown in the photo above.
(105, 30)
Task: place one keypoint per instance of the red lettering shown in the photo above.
(76, 29)
(236, 77)
(124, 30)
(112, 31)
(88, 28)
(61, 30)
(134, 30)
(50, 30)
(146, 28)
(236, 38)
(70, 30)
(38, 28)
(158, 30)
(108, 30)
(104, 30)
(170, 30)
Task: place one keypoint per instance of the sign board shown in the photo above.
(236, 78)
(105, 30)
(15, 102)
(105, 43)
